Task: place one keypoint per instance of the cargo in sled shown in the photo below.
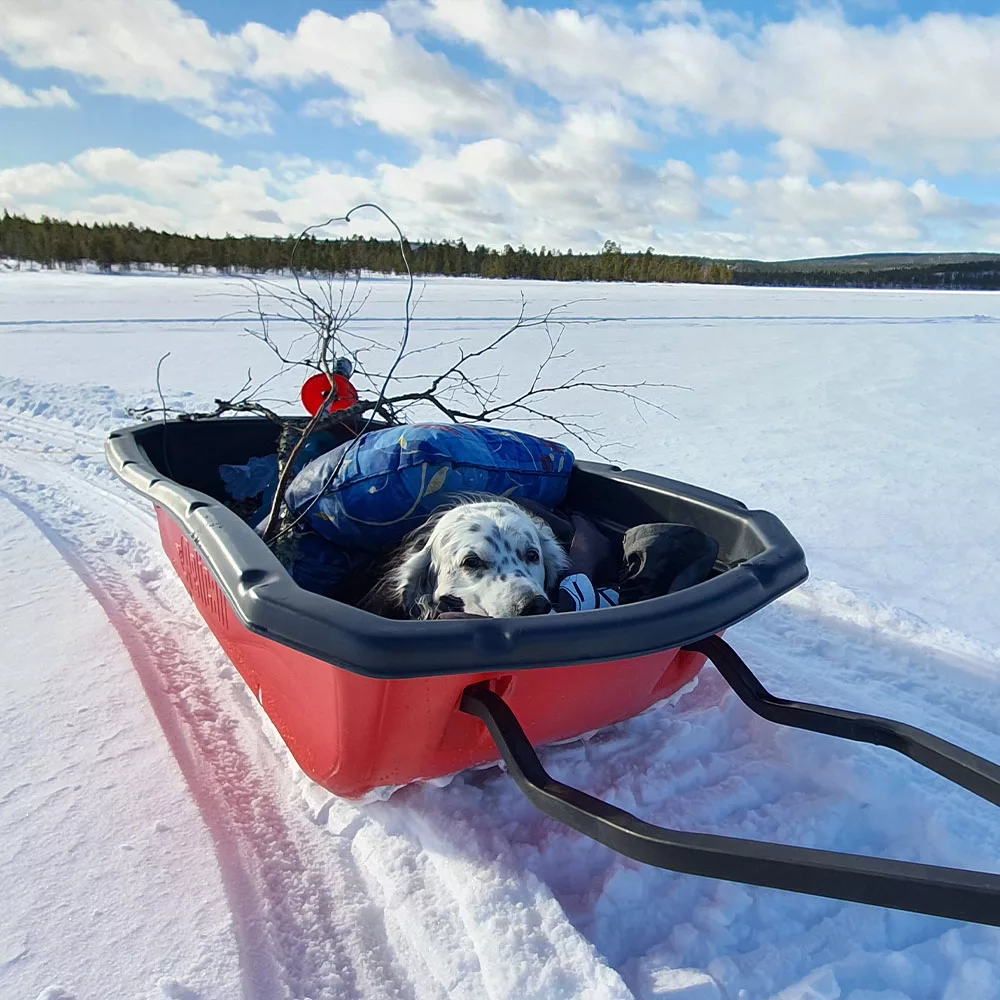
(363, 702)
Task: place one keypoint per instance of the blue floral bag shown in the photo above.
(392, 479)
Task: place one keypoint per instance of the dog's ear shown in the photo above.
(406, 586)
(554, 556)
(413, 579)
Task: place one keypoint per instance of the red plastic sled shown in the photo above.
(353, 733)
(363, 702)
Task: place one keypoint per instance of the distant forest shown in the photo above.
(52, 243)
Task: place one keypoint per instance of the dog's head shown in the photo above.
(493, 556)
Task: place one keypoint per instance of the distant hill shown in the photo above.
(54, 242)
(860, 261)
(876, 270)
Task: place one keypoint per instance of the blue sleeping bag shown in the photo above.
(392, 479)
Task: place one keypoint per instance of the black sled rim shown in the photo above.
(902, 885)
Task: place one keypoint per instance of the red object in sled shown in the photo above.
(317, 390)
(353, 733)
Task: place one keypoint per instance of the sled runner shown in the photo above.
(363, 702)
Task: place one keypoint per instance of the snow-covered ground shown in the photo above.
(158, 841)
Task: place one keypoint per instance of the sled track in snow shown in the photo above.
(276, 894)
(464, 890)
(126, 326)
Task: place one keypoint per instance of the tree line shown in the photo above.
(54, 242)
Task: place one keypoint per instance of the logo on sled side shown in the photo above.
(201, 584)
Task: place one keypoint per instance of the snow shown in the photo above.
(74, 717)
(158, 840)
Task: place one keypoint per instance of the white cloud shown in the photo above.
(34, 179)
(154, 50)
(726, 162)
(158, 175)
(565, 194)
(730, 186)
(245, 112)
(389, 79)
(205, 195)
(915, 89)
(653, 11)
(930, 198)
(186, 191)
(149, 49)
(122, 209)
(791, 216)
(798, 159)
(793, 203)
(572, 53)
(334, 109)
(919, 88)
(13, 96)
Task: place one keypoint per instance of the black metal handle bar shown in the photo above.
(901, 885)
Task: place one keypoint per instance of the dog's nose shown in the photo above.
(537, 605)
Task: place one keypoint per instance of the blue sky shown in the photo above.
(734, 129)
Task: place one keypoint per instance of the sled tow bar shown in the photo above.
(902, 885)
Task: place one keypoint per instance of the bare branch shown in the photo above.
(310, 325)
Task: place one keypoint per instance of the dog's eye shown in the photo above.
(531, 556)
(472, 561)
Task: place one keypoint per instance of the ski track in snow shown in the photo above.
(20, 325)
(463, 889)
(273, 891)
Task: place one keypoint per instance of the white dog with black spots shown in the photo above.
(490, 558)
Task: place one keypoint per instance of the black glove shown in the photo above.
(663, 558)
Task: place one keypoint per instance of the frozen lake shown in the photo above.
(868, 421)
